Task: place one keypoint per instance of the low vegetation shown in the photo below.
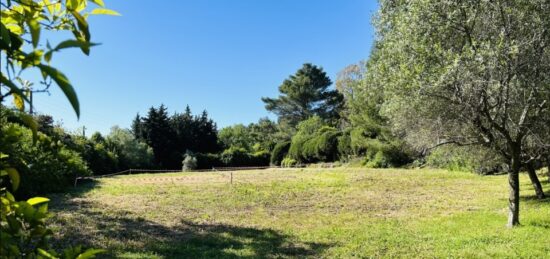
(302, 213)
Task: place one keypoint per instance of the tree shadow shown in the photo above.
(528, 193)
(531, 198)
(541, 224)
(121, 232)
(83, 186)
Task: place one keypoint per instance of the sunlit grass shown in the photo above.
(304, 212)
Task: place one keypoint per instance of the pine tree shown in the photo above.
(137, 127)
(160, 135)
(305, 94)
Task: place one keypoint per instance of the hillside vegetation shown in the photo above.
(341, 212)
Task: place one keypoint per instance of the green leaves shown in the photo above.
(63, 82)
(73, 43)
(90, 253)
(34, 28)
(31, 123)
(83, 32)
(24, 232)
(84, 46)
(76, 5)
(13, 88)
(45, 254)
(37, 200)
(49, 6)
(104, 11)
(14, 177)
(98, 2)
(5, 35)
(18, 102)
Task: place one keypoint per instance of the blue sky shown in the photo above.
(222, 56)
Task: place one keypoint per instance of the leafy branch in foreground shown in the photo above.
(23, 223)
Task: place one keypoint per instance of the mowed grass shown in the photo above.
(331, 213)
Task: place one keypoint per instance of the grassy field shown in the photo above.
(332, 213)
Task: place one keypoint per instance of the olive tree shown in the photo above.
(468, 73)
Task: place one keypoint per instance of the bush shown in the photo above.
(208, 161)
(279, 152)
(345, 152)
(289, 162)
(131, 152)
(314, 142)
(49, 166)
(473, 159)
(261, 158)
(235, 156)
(239, 157)
(99, 159)
(383, 154)
(189, 162)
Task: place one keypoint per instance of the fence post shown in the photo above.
(231, 177)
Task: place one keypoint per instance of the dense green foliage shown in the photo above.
(279, 152)
(249, 145)
(235, 157)
(314, 142)
(208, 161)
(38, 161)
(469, 159)
(131, 152)
(305, 94)
(170, 137)
(468, 73)
(45, 165)
(260, 136)
(236, 136)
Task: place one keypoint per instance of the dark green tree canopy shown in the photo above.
(305, 94)
(171, 137)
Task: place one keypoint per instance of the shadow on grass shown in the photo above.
(83, 186)
(533, 199)
(541, 224)
(124, 233)
(528, 192)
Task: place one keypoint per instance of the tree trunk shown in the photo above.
(513, 200)
(548, 173)
(535, 181)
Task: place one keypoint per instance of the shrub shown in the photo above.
(208, 161)
(473, 158)
(345, 152)
(383, 154)
(235, 156)
(314, 142)
(289, 162)
(189, 162)
(260, 158)
(279, 152)
(239, 157)
(326, 144)
(45, 166)
(99, 159)
(131, 152)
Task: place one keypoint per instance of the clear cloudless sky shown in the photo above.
(218, 55)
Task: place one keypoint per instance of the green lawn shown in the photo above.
(332, 213)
